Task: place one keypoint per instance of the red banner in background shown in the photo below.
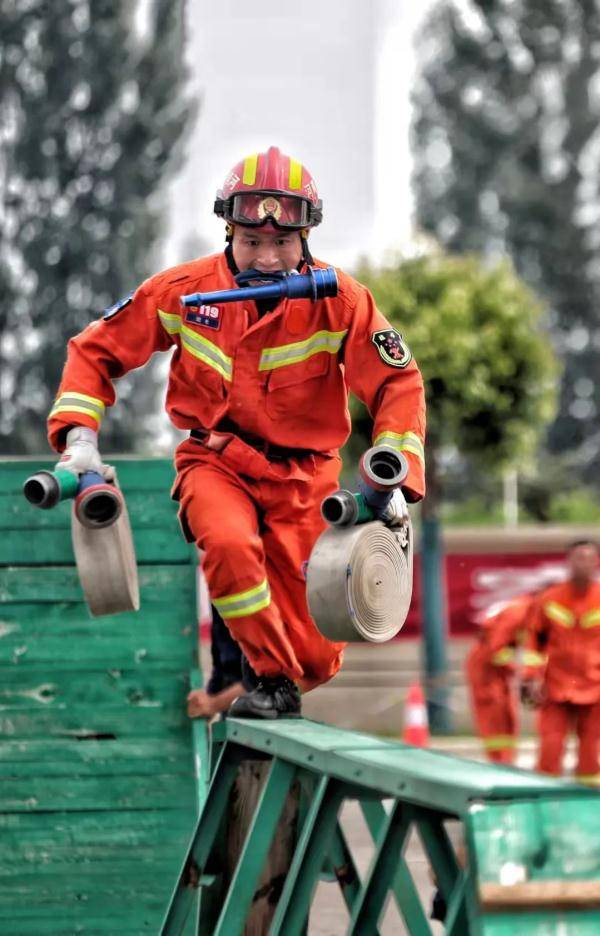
(475, 582)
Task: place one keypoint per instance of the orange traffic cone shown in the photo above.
(416, 725)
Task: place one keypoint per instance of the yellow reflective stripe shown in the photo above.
(73, 402)
(506, 655)
(299, 351)
(170, 321)
(402, 442)
(496, 742)
(250, 167)
(591, 618)
(243, 603)
(203, 349)
(295, 179)
(589, 779)
(533, 658)
(560, 614)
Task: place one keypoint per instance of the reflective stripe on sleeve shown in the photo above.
(299, 351)
(74, 402)
(533, 658)
(558, 613)
(243, 603)
(402, 442)
(591, 618)
(503, 656)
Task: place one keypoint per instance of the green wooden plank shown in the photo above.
(65, 635)
(150, 509)
(170, 582)
(36, 688)
(78, 793)
(154, 723)
(53, 547)
(122, 830)
(64, 757)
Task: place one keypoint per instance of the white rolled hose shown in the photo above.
(106, 564)
(359, 581)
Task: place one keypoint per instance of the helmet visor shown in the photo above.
(256, 208)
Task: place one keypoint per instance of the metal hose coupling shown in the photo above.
(382, 470)
(97, 504)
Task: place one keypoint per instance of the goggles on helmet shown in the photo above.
(253, 209)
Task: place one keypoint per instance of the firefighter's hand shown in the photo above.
(532, 693)
(200, 704)
(81, 454)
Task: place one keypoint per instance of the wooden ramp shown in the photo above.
(98, 795)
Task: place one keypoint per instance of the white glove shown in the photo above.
(81, 454)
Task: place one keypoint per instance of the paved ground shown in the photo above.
(329, 916)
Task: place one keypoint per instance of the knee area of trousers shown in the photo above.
(225, 547)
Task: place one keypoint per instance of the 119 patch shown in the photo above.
(392, 348)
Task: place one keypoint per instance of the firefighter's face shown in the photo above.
(266, 249)
(584, 561)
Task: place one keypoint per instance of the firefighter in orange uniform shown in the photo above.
(490, 669)
(565, 624)
(262, 388)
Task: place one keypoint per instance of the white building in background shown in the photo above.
(328, 83)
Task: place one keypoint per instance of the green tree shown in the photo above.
(490, 382)
(489, 369)
(507, 162)
(92, 110)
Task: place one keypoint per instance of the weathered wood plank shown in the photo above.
(142, 722)
(44, 547)
(64, 635)
(155, 791)
(72, 758)
(166, 583)
(121, 830)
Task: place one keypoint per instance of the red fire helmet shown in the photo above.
(270, 187)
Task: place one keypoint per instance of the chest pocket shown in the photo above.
(294, 390)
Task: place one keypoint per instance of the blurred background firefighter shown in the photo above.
(564, 625)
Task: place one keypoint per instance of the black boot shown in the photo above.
(274, 697)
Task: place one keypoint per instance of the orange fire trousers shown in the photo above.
(555, 720)
(256, 521)
(494, 706)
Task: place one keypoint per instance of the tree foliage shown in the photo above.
(507, 154)
(92, 108)
(489, 370)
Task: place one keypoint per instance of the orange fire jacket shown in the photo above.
(565, 623)
(283, 377)
(502, 631)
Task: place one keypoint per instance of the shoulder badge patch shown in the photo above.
(392, 348)
(121, 304)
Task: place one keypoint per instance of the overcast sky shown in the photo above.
(328, 83)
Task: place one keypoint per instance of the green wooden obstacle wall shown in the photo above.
(98, 794)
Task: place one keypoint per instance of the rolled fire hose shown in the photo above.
(359, 576)
(105, 559)
(359, 582)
